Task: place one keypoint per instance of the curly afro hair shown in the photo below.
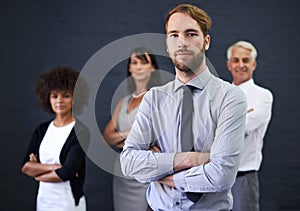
(57, 78)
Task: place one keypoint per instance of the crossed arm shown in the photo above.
(183, 160)
(111, 135)
(41, 172)
(186, 169)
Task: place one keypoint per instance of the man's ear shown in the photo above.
(207, 42)
(254, 64)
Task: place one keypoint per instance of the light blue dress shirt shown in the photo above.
(218, 127)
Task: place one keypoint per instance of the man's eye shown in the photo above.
(191, 34)
(246, 60)
(173, 35)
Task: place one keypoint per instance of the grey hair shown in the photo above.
(243, 44)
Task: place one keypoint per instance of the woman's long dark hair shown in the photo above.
(141, 53)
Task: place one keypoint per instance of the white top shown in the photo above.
(260, 100)
(53, 142)
(54, 195)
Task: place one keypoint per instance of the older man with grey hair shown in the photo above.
(241, 62)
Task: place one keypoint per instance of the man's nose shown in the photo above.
(241, 63)
(182, 43)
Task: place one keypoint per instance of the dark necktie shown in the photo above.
(187, 139)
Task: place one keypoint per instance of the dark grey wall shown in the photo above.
(37, 35)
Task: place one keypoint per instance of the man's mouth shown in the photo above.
(183, 53)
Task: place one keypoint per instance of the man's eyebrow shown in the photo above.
(235, 57)
(191, 30)
(186, 31)
(172, 31)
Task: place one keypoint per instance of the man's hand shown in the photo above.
(154, 148)
(168, 180)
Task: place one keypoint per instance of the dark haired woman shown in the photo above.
(142, 72)
(54, 156)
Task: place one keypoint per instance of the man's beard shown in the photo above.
(191, 65)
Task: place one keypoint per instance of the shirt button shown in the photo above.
(177, 203)
(182, 188)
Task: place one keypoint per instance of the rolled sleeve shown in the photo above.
(136, 159)
(179, 181)
(146, 166)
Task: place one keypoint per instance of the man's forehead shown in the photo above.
(182, 21)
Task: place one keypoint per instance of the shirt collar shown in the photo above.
(246, 85)
(199, 81)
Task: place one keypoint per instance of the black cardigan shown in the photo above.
(72, 155)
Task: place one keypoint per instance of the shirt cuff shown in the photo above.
(165, 164)
(179, 181)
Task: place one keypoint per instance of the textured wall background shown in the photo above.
(37, 35)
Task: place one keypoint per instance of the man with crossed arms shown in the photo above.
(218, 126)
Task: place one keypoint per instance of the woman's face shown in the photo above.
(61, 102)
(140, 69)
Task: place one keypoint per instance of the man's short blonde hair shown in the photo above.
(194, 12)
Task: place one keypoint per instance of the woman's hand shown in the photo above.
(32, 158)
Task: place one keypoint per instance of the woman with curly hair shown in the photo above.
(54, 156)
